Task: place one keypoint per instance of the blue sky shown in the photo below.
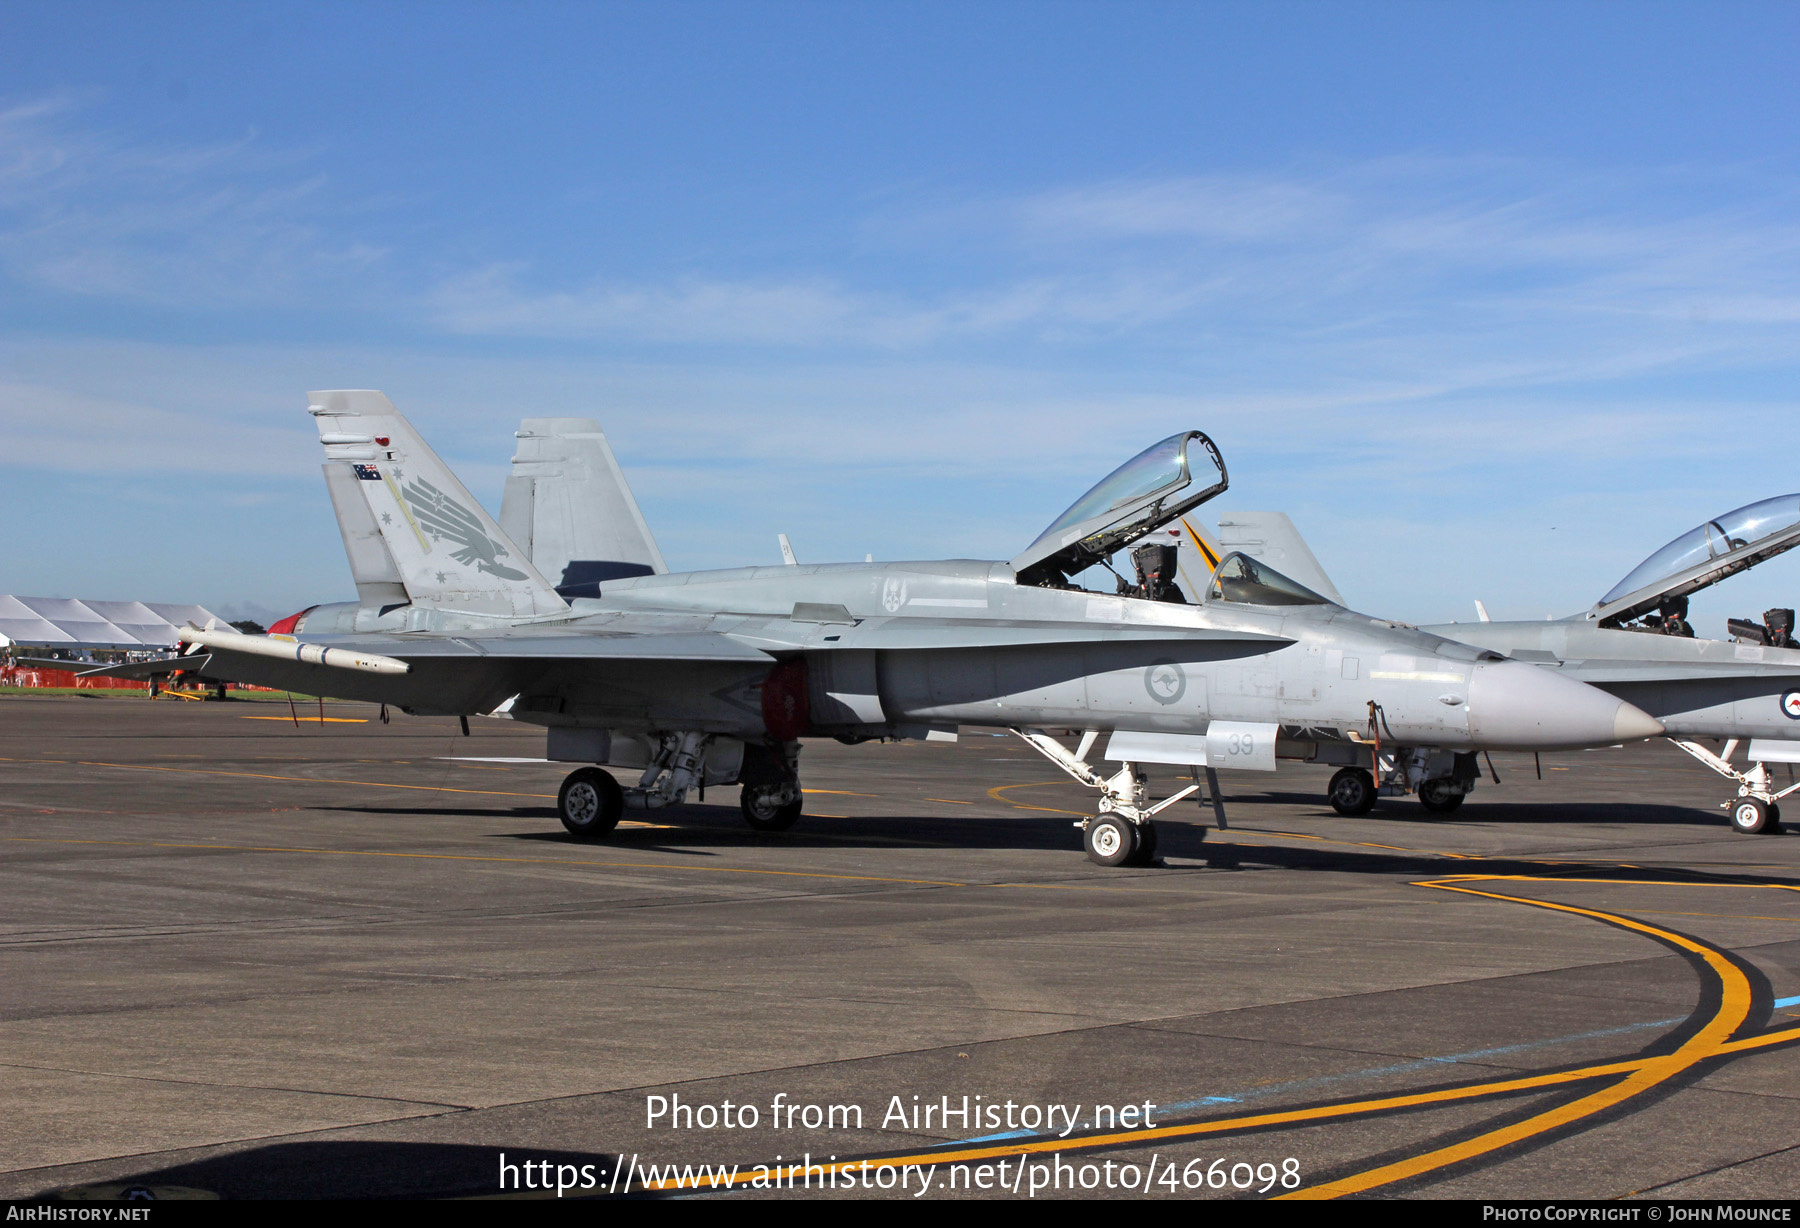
(1492, 299)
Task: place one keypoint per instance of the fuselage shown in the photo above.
(890, 645)
(1698, 688)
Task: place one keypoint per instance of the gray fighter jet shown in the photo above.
(715, 677)
(1636, 643)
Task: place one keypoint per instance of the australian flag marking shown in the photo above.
(367, 473)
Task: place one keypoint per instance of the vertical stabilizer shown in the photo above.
(568, 505)
(1272, 537)
(437, 543)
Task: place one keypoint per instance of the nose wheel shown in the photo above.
(590, 803)
(1752, 816)
(1114, 841)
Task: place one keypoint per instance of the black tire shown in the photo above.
(1774, 817)
(1110, 840)
(590, 803)
(1146, 850)
(1352, 791)
(1750, 816)
(756, 802)
(1439, 797)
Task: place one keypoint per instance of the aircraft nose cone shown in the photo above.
(1633, 724)
(1525, 707)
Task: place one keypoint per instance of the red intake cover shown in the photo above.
(786, 711)
(286, 626)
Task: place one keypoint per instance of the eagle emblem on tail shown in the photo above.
(446, 519)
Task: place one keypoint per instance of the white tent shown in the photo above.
(65, 623)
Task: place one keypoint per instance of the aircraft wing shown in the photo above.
(1601, 671)
(524, 645)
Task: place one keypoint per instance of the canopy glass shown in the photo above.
(1244, 580)
(1732, 531)
(1151, 488)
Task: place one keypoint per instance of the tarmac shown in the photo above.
(254, 953)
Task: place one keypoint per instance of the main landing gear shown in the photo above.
(1122, 834)
(1441, 779)
(1352, 791)
(1757, 810)
(591, 802)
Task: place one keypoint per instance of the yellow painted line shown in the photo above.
(1732, 1011)
(949, 801)
(997, 790)
(1638, 1075)
(312, 720)
(840, 792)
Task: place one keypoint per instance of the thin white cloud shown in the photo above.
(231, 223)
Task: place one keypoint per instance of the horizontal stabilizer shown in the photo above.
(144, 669)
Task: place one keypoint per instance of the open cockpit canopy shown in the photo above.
(1146, 492)
(1703, 556)
(1243, 579)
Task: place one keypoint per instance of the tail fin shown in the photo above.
(567, 503)
(409, 525)
(1272, 537)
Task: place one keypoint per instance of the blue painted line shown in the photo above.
(1417, 1064)
(1424, 1063)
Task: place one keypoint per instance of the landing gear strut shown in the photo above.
(1758, 808)
(1122, 833)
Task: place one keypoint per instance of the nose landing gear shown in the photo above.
(1757, 810)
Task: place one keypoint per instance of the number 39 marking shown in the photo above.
(1241, 744)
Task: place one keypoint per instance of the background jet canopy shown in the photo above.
(1249, 582)
(1732, 531)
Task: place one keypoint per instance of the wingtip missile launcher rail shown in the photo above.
(285, 649)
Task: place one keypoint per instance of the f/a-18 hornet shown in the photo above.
(1635, 642)
(714, 677)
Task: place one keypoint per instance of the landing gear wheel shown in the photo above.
(590, 803)
(1110, 840)
(1774, 817)
(1352, 791)
(1752, 815)
(1439, 797)
(765, 810)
